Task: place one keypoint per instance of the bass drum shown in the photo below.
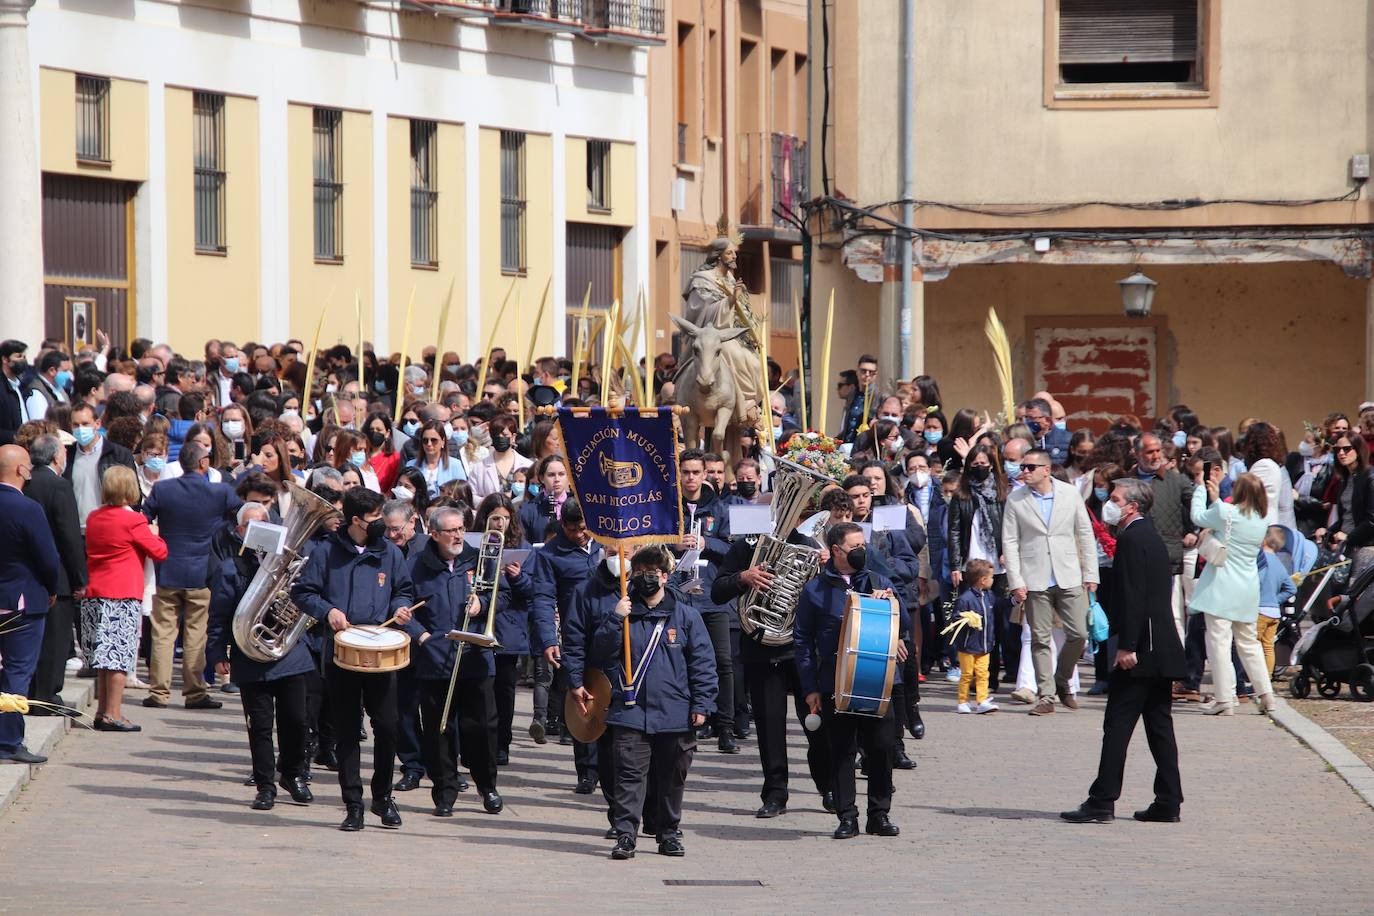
(866, 662)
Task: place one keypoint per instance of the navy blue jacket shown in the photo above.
(820, 612)
(535, 515)
(975, 642)
(189, 511)
(1056, 442)
(513, 602)
(681, 680)
(228, 582)
(558, 569)
(445, 593)
(317, 636)
(936, 523)
(714, 515)
(592, 603)
(368, 587)
(29, 564)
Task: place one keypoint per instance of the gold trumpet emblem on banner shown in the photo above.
(621, 474)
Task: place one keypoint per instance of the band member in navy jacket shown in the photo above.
(820, 614)
(269, 690)
(444, 575)
(357, 577)
(513, 602)
(675, 679)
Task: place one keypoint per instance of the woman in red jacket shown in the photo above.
(118, 540)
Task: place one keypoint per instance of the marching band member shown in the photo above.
(675, 679)
(443, 575)
(513, 600)
(357, 576)
(269, 690)
(771, 673)
(565, 562)
(327, 484)
(820, 614)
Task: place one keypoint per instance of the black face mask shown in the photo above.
(646, 585)
(376, 437)
(376, 530)
(858, 558)
(979, 473)
(747, 488)
(500, 443)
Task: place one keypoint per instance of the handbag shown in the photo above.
(1099, 627)
(1213, 550)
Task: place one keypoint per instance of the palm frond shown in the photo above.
(1001, 357)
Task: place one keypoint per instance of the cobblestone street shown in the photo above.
(160, 820)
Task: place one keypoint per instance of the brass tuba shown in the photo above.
(767, 616)
(266, 622)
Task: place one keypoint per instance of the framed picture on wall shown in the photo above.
(80, 313)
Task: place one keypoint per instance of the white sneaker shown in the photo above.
(963, 708)
(73, 665)
(952, 675)
(986, 706)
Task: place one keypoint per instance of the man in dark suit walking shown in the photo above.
(28, 582)
(1149, 658)
(49, 489)
(188, 510)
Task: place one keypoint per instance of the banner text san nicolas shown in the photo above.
(624, 474)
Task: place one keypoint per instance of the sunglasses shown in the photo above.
(1032, 466)
(1345, 448)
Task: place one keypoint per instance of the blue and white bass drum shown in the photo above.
(866, 662)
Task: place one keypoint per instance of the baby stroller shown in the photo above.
(1339, 649)
(1299, 556)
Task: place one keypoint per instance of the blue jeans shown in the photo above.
(20, 641)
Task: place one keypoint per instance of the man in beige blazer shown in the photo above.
(1051, 562)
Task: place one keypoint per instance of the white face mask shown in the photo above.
(399, 492)
(1306, 449)
(921, 479)
(891, 418)
(1111, 513)
(233, 429)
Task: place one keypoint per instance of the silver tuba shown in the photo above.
(266, 622)
(767, 616)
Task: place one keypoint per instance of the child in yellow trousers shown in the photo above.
(975, 639)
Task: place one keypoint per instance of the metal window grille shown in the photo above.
(93, 118)
(681, 142)
(512, 202)
(328, 187)
(786, 282)
(424, 199)
(598, 175)
(208, 155)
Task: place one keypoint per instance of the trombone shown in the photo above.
(487, 582)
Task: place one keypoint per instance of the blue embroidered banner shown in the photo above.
(623, 469)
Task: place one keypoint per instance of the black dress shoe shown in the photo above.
(105, 724)
(295, 787)
(265, 799)
(727, 744)
(624, 847)
(154, 704)
(848, 829)
(250, 781)
(327, 758)
(565, 739)
(385, 808)
(1157, 815)
(585, 786)
(611, 833)
(492, 803)
(503, 758)
(1084, 814)
(24, 755)
(706, 733)
(462, 783)
(671, 845)
(903, 762)
(443, 809)
(741, 731)
(771, 809)
(881, 825)
(353, 818)
(409, 780)
(205, 703)
(917, 728)
(828, 801)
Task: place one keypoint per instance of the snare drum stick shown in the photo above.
(417, 604)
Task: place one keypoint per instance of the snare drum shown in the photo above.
(866, 662)
(371, 650)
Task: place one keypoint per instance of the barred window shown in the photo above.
(328, 185)
(208, 155)
(599, 175)
(512, 202)
(92, 119)
(424, 199)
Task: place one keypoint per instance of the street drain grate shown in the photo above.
(709, 882)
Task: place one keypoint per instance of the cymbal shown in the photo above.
(587, 727)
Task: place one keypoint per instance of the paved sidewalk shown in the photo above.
(160, 822)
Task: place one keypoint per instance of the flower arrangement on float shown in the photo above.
(817, 452)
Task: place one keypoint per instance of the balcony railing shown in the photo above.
(774, 171)
(637, 22)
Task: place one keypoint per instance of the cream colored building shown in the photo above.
(1059, 146)
(214, 169)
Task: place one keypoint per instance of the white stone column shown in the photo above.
(472, 237)
(558, 293)
(21, 205)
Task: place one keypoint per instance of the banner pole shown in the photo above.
(625, 623)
